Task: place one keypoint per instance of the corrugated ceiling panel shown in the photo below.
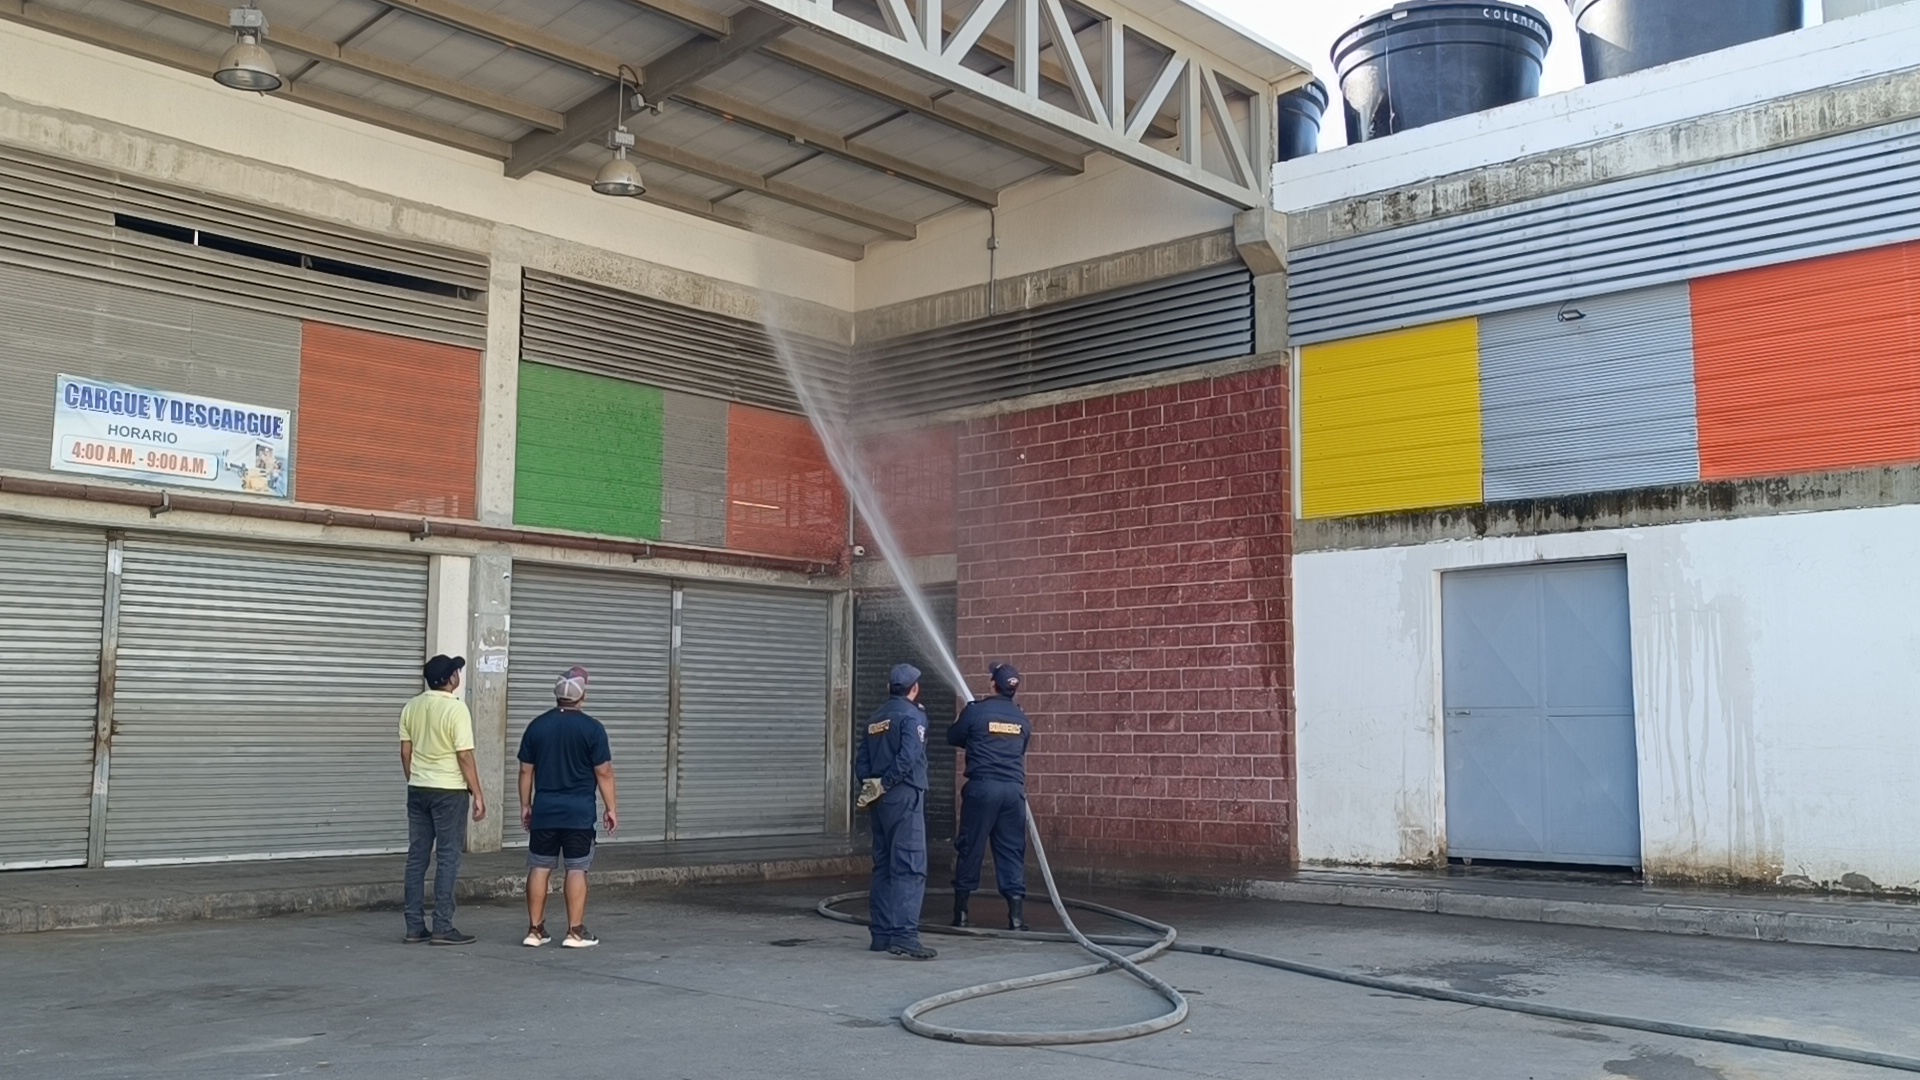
(800, 217)
(938, 146)
(1159, 326)
(1391, 421)
(869, 188)
(1601, 403)
(1839, 194)
(1810, 366)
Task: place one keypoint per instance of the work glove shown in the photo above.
(870, 792)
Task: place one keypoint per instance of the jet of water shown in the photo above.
(827, 411)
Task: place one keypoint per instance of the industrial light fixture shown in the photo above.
(620, 176)
(1568, 313)
(247, 65)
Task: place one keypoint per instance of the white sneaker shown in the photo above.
(536, 937)
(579, 938)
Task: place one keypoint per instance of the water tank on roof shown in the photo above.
(1425, 61)
(1619, 37)
(1300, 113)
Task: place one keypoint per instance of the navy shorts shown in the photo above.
(546, 847)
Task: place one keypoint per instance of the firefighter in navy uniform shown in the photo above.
(891, 765)
(993, 808)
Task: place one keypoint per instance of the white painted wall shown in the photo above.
(1776, 681)
(1046, 222)
(1828, 55)
(91, 90)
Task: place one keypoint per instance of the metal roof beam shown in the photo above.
(866, 80)
(589, 121)
(728, 215)
(773, 188)
(147, 47)
(753, 116)
(688, 14)
(318, 48)
(514, 35)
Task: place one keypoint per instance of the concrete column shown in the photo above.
(840, 718)
(1261, 237)
(500, 383)
(490, 592)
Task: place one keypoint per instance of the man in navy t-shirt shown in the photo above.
(564, 758)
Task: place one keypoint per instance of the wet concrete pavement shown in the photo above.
(733, 981)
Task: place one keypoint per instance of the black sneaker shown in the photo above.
(453, 937)
(420, 938)
(912, 952)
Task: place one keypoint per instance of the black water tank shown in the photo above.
(1425, 61)
(1300, 113)
(1619, 37)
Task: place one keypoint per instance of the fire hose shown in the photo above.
(1166, 939)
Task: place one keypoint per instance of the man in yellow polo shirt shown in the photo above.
(436, 754)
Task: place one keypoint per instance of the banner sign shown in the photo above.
(108, 429)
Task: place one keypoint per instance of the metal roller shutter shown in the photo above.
(886, 633)
(753, 700)
(85, 222)
(52, 599)
(257, 701)
(618, 627)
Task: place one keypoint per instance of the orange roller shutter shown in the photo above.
(386, 423)
(782, 495)
(1809, 366)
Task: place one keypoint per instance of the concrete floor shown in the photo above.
(720, 982)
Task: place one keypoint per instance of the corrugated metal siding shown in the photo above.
(1809, 366)
(257, 700)
(753, 701)
(387, 423)
(60, 216)
(1839, 194)
(915, 476)
(618, 627)
(52, 596)
(1391, 421)
(694, 475)
(588, 453)
(783, 496)
(1160, 326)
(574, 324)
(1601, 403)
(886, 633)
(52, 325)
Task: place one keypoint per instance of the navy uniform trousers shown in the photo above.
(899, 867)
(993, 812)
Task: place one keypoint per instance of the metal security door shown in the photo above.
(1538, 678)
(753, 712)
(618, 627)
(886, 633)
(52, 598)
(257, 699)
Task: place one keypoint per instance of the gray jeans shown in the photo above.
(436, 825)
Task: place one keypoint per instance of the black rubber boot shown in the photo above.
(1016, 914)
(960, 917)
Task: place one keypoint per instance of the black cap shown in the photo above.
(440, 670)
(902, 678)
(1006, 678)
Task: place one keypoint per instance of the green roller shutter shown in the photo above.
(589, 454)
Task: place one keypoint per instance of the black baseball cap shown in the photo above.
(441, 669)
(1006, 678)
(902, 678)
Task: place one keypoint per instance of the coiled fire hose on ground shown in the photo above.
(914, 1017)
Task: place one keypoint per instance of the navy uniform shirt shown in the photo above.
(564, 746)
(893, 746)
(994, 732)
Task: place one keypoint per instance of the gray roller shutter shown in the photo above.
(886, 633)
(81, 221)
(1167, 324)
(753, 726)
(257, 701)
(1845, 193)
(1600, 403)
(52, 596)
(618, 627)
(587, 327)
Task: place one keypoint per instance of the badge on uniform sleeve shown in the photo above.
(999, 728)
(923, 732)
(882, 727)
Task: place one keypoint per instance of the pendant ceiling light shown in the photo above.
(246, 65)
(620, 176)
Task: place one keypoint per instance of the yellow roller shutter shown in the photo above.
(1391, 421)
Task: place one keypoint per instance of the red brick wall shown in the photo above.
(1130, 554)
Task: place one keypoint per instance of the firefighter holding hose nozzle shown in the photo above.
(994, 732)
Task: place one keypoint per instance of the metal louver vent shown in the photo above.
(61, 217)
(1839, 194)
(1166, 324)
(587, 327)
